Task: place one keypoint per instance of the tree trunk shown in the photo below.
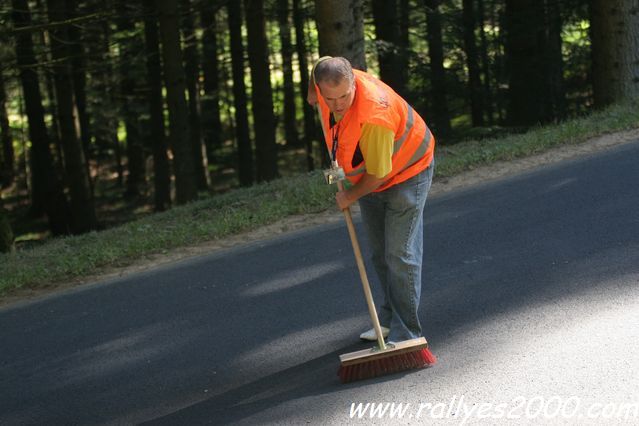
(185, 177)
(50, 103)
(614, 33)
(290, 119)
(498, 19)
(7, 158)
(405, 48)
(310, 131)
(110, 95)
(101, 85)
(78, 67)
(211, 123)
(437, 96)
(556, 101)
(44, 173)
(474, 81)
(192, 74)
(261, 92)
(485, 64)
(341, 30)
(82, 207)
(129, 87)
(244, 149)
(161, 170)
(6, 233)
(525, 52)
(358, 41)
(388, 44)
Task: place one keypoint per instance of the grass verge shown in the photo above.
(62, 259)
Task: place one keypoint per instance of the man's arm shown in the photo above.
(365, 186)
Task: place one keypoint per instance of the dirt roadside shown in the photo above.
(464, 180)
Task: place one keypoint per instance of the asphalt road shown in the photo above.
(530, 301)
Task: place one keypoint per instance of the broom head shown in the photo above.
(374, 362)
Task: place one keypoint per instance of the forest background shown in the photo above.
(114, 110)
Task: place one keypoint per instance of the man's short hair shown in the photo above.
(333, 71)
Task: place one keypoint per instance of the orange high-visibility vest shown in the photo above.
(376, 103)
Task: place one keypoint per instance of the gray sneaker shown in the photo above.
(371, 336)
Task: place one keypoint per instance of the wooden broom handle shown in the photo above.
(358, 256)
(362, 273)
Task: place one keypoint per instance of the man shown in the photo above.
(386, 151)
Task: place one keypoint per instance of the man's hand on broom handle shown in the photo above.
(368, 184)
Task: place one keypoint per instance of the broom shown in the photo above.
(384, 358)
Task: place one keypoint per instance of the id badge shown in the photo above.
(334, 175)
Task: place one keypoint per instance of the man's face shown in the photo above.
(339, 98)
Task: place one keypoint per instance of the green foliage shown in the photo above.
(471, 154)
(215, 217)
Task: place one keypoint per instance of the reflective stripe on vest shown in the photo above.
(419, 152)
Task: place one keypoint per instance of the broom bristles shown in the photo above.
(419, 358)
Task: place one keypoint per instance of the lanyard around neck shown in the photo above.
(334, 133)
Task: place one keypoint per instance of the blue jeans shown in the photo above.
(394, 220)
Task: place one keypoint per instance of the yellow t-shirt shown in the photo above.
(376, 144)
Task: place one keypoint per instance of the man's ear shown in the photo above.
(311, 96)
(312, 93)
